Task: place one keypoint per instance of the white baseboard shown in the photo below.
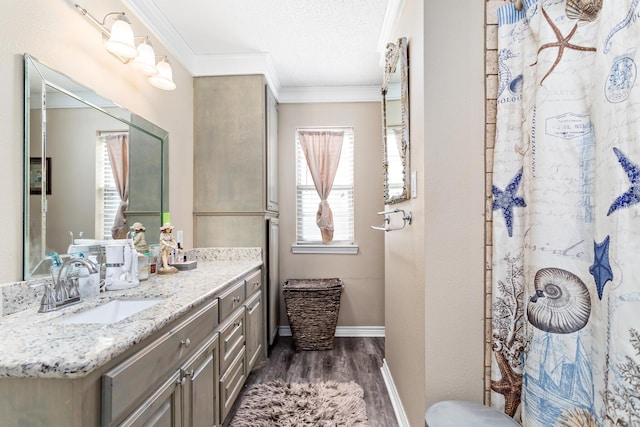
(345, 331)
(401, 416)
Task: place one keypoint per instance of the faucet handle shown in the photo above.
(61, 292)
(72, 288)
(48, 301)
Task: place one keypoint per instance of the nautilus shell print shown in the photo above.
(583, 10)
(561, 304)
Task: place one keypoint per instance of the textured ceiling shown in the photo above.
(309, 43)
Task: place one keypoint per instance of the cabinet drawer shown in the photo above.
(125, 385)
(231, 299)
(253, 283)
(231, 384)
(232, 338)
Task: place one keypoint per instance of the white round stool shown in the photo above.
(459, 413)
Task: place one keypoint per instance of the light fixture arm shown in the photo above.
(99, 25)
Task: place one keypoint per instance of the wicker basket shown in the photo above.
(312, 308)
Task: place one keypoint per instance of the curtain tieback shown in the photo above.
(324, 216)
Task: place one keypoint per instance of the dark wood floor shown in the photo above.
(352, 359)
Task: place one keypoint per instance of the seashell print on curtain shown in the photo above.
(566, 223)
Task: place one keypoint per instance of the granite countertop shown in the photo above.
(37, 345)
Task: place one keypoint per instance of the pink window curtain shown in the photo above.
(322, 151)
(117, 148)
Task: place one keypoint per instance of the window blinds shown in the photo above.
(340, 200)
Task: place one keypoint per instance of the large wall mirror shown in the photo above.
(92, 168)
(395, 117)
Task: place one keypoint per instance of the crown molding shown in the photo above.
(147, 12)
(321, 94)
(389, 24)
(238, 64)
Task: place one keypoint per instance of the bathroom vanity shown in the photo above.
(180, 362)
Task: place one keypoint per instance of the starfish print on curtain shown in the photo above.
(507, 200)
(601, 269)
(561, 44)
(632, 195)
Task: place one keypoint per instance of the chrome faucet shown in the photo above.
(64, 289)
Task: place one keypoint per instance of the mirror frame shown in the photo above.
(33, 65)
(396, 59)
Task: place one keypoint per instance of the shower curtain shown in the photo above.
(566, 214)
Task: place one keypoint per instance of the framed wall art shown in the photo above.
(35, 175)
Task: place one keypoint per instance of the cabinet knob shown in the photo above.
(185, 342)
(238, 323)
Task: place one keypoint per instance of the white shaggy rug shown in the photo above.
(281, 404)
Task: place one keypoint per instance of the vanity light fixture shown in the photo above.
(146, 59)
(120, 42)
(164, 78)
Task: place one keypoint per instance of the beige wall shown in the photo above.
(56, 34)
(434, 273)
(404, 250)
(454, 155)
(362, 302)
(71, 138)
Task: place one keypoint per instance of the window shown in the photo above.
(340, 199)
(108, 199)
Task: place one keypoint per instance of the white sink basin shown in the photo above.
(110, 312)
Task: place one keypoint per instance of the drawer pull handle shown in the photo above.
(238, 324)
(236, 299)
(185, 343)
(185, 376)
(256, 284)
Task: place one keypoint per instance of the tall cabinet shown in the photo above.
(236, 174)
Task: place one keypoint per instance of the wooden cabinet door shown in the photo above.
(162, 409)
(229, 144)
(255, 329)
(272, 152)
(201, 402)
(272, 282)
